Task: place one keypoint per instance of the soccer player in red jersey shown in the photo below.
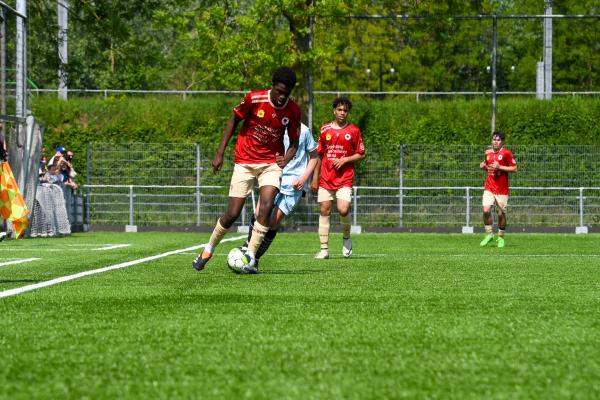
(340, 145)
(259, 154)
(498, 163)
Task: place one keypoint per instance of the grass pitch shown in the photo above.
(408, 316)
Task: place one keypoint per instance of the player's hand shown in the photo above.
(217, 163)
(280, 160)
(314, 186)
(338, 162)
(298, 184)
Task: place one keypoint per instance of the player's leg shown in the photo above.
(501, 201)
(343, 202)
(488, 221)
(325, 199)
(242, 181)
(284, 205)
(268, 179)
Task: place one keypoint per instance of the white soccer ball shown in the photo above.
(240, 263)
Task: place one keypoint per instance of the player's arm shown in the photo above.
(233, 122)
(289, 154)
(507, 168)
(339, 162)
(310, 167)
(314, 184)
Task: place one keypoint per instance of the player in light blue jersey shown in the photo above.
(293, 185)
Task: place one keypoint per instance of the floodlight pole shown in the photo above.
(63, 55)
(311, 21)
(548, 52)
(494, 46)
(21, 59)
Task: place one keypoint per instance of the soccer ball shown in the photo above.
(240, 263)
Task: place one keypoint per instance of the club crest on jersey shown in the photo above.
(347, 136)
(285, 121)
(500, 157)
(328, 137)
(260, 113)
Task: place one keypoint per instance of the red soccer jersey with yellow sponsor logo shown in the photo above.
(337, 143)
(261, 136)
(497, 181)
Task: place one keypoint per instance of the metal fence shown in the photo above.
(397, 186)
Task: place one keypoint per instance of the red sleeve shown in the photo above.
(294, 128)
(243, 110)
(360, 146)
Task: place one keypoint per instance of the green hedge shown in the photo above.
(391, 120)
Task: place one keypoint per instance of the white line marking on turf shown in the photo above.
(526, 255)
(23, 289)
(112, 246)
(18, 261)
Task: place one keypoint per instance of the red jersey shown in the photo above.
(261, 135)
(497, 181)
(337, 143)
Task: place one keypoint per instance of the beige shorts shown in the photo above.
(244, 176)
(344, 193)
(501, 200)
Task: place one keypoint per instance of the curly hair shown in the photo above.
(286, 76)
(342, 100)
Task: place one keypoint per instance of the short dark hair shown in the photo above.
(342, 100)
(286, 76)
(500, 134)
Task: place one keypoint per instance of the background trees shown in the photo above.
(235, 45)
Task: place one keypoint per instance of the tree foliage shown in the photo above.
(235, 45)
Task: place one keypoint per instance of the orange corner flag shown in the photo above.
(12, 204)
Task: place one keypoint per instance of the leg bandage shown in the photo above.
(324, 231)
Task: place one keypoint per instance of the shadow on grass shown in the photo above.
(18, 281)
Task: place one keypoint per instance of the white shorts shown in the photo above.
(242, 179)
(344, 193)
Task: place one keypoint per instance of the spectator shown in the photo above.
(68, 171)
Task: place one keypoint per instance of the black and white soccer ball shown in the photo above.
(241, 263)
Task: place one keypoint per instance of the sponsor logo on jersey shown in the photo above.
(260, 113)
(328, 137)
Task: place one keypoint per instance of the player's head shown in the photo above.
(497, 139)
(342, 100)
(283, 81)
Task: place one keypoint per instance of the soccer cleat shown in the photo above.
(322, 254)
(486, 240)
(250, 264)
(200, 261)
(500, 242)
(347, 248)
(244, 247)
(2, 236)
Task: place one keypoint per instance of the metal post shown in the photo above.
(3, 63)
(88, 165)
(581, 228)
(494, 46)
(468, 228)
(63, 55)
(198, 184)
(311, 21)
(355, 205)
(21, 60)
(548, 52)
(131, 227)
(401, 194)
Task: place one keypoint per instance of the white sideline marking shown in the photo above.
(18, 261)
(23, 289)
(527, 255)
(107, 246)
(112, 246)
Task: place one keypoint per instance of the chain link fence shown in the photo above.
(397, 186)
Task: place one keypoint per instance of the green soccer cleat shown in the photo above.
(500, 242)
(486, 240)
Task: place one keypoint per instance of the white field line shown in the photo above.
(526, 255)
(18, 261)
(112, 246)
(56, 281)
(107, 246)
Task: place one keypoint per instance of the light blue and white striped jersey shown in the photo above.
(297, 165)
